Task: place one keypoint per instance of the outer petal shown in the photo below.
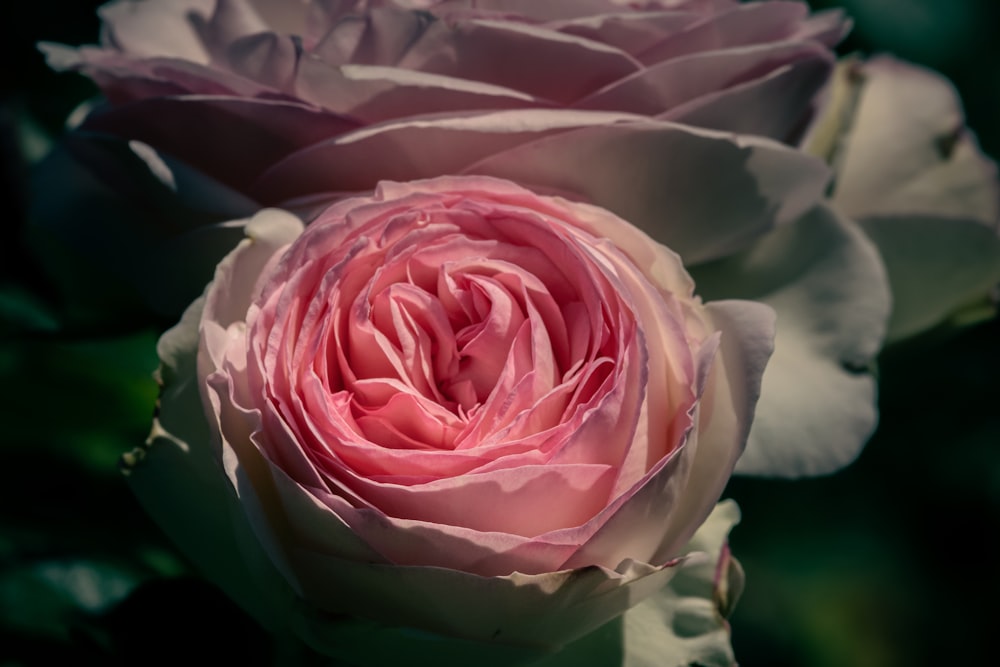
(544, 611)
(824, 279)
(681, 624)
(414, 148)
(684, 491)
(666, 85)
(544, 63)
(685, 623)
(908, 151)
(277, 128)
(913, 176)
(937, 266)
(372, 94)
(177, 477)
(776, 105)
(654, 175)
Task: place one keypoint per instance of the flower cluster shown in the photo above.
(493, 334)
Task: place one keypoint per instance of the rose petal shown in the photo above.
(685, 615)
(907, 150)
(551, 10)
(632, 32)
(660, 87)
(373, 94)
(742, 25)
(649, 173)
(913, 176)
(544, 63)
(544, 611)
(725, 414)
(827, 284)
(267, 232)
(356, 161)
(777, 105)
(936, 266)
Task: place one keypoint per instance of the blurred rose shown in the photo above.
(216, 109)
(455, 406)
(911, 173)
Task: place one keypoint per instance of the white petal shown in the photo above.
(683, 624)
(907, 150)
(937, 266)
(916, 181)
(824, 279)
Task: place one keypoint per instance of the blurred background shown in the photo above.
(891, 562)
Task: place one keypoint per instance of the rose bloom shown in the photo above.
(677, 116)
(457, 406)
(306, 79)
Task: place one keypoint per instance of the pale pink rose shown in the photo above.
(454, 405)
(272, 79)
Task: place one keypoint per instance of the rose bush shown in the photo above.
(217, 108)
(455, 406)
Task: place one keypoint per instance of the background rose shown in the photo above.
(457, 391)
(189, 76)
(912, 175)
(612, 139)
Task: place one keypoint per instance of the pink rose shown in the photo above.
(455, 406)
(307, 79)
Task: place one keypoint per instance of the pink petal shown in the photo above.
(549, 65)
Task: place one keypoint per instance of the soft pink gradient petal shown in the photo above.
(648, 173)
(420, 147)
(558, 67)
(374, 94)
(742, 25)
(777, 105)
(658, 88)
